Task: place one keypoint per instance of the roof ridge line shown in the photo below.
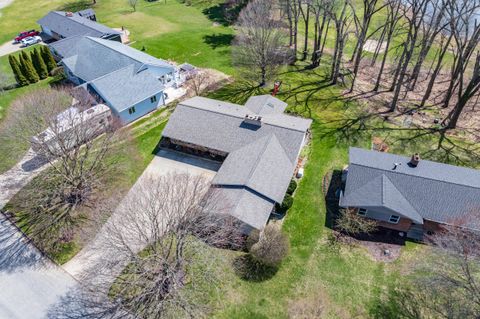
(404, 197)
(128, 56)
(266, 143)
(77, 22)
(241, 117)
(107, 74)
(432, 179)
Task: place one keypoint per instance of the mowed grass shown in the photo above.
(170, 30)
(318, 279)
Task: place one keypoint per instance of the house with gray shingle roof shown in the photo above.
(258, 144)
(62, 25)
(408, 194)
(129, 81)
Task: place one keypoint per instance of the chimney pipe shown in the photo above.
(415, 160)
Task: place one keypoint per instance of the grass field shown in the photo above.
(340, 282)
(344, 282)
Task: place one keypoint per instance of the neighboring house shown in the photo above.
(408, 194)
(258, 143)
(62, 25)
(73, 127)
(129, 81)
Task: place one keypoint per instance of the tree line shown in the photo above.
(426, 45)
(29, 69)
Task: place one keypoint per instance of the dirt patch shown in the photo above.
(372, 45)
(408, 113)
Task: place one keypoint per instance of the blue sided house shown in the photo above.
(129, 81)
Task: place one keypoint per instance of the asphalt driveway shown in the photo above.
(30, 285)
(86, 263)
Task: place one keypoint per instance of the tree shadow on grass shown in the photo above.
(223, 13)
(74, 6)
(250, 270)
(218, 40)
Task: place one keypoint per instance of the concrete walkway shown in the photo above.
(96, 257)
(19, 176)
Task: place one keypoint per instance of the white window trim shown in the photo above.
(392, 222)
(362, 212)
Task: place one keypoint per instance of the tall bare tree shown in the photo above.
(158, 257)
(259, 47)
(74, 143)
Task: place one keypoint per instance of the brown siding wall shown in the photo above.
(403, 224)
(431, 226)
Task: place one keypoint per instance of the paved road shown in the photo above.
(30, 285)
(19, 176)
(86, 264)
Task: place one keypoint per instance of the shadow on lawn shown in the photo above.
(74, 6)
(218, 40)
(250, 270)
(224, 13)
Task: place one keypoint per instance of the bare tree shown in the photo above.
(259, 47)
(352, 224)
(369, 10)
(341, 14)
(159, 247)
(320, 8)
(74, 142)
(199, 82)
(133, 4)
(449, 278)
(271, 246)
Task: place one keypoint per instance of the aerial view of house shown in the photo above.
(411, 195)
(258, 144)
(130, 82)
(62, 25)
(240, 159)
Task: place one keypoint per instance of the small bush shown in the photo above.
(271, 248)
(287, 202)
(292, 187)
(352, 224)
(58, 71)
(252, 239)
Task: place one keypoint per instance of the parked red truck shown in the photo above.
(26, 34)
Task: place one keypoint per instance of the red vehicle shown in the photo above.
(26, 34)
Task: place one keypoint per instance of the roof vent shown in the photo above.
(69, 14)
(253, 120)
(414, 160)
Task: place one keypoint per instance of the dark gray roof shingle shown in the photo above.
(261, 159)
(435, 191)
(92, 58)
(265, 104)
(126, 87)
(74, 25)
(261, 165)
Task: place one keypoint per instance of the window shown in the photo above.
(153, 99)
(362, 212)
(394, 219)
(131, 110)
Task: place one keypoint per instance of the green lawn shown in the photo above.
(345, 282)
(170, 30)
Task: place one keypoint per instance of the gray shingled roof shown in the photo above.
(247, 206)
(261, 166)
(261, 159)
(126, 87)
(265, 104)
(94, 57)
(220, 126)
(75, 25)
(66, 47)
(435, 191)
